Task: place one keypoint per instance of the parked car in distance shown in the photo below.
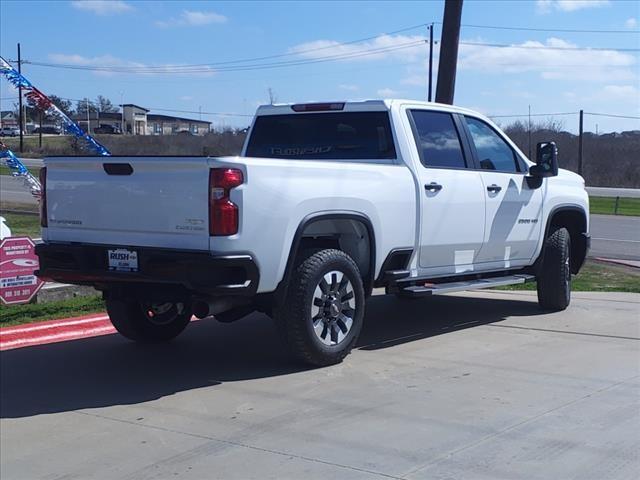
(9, 132)
(107, 129)
(185, 133)
(48, 130)
(326, 202)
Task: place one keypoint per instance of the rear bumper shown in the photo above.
(195, 271)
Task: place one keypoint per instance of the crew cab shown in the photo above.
(326, 202)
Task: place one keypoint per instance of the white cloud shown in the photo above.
(624, 92)
(383, 47)
(546, 6)
(193, 18)
(349, 88)
(186, 98)
(387, 93)
(121, 66)
(631, 22)
(583, 65)
(102, 7)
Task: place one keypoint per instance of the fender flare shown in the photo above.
(566, 207)
(330, 215)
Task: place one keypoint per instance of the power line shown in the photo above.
(612, 115)
(563, 30)
(533, 115)
(547, 47)
(185, 69)
(247, 60)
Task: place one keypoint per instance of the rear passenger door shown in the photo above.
(451, 195)
(513, 209)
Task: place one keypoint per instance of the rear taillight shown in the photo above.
(223, 213)
(43, 197)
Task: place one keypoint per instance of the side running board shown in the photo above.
(442, 288)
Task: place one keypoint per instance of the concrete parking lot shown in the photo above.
(473, 386)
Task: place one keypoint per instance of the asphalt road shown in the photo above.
(478, 386)
(615, 237)
(614, 192)
(13, 190)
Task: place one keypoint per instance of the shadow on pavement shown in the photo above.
(109, 370)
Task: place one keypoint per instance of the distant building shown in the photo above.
(138, 121)
(8, 118)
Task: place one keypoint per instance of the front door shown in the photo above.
(452, 219)
(513, 209)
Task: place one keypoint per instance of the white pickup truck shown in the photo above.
(326, 202)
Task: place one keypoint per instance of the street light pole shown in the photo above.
(21, 112)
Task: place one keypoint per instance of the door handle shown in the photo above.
(433, 187)
(494, 188)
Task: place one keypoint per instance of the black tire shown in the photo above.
(554, 280)
(143, 323)
(315, 345)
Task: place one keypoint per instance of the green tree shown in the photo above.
(83, 105)
(65, 105)
(104, 105)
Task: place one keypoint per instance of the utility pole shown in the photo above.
(430, 59)
(40, 129)
(529, 132)
(122, 113)
(21, 113)
(88, 119)
(449, 51)
(580, 135)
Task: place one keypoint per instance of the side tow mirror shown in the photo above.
(546, 164)
(546, 161)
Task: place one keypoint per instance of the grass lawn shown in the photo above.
(23, 225)
(4, 170)
(73, 307)
(598, 277)
(51, 145)
(606, 206)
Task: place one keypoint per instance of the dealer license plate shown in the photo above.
(123, 260)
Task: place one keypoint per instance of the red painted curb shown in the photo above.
(52, 331)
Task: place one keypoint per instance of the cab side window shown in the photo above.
(493, 152)
(437, 139)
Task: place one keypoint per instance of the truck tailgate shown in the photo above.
(145, 201)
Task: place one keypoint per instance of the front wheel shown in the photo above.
(554, 280)
(148, 322)
(322, 313)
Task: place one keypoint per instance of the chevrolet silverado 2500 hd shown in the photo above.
(326, 202)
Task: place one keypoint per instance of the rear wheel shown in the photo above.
(554, 280)
(322, 314)
(148, 322)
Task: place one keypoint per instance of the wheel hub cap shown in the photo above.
(333, 308)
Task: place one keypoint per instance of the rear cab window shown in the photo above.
(323, 136)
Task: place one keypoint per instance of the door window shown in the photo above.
(493, 152)
(437, 139)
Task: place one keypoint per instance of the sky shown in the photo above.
(143, 52)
